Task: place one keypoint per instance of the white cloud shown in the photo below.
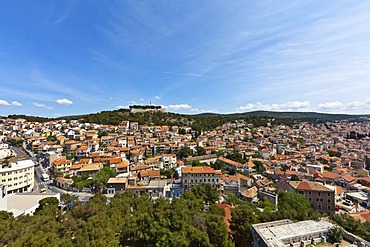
(288, 106)
(64, 102)
(6, 103)
(141, 99)
(157, 97)
(178, 107)
(43, 106)
(349, 107)
(357, 105)
(122, 106)
(16, 103)
(332, 105)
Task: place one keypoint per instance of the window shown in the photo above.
(309, 192)
(328, 194)
(319, 193)
(319, 206)
(310, 199)
(9, 179)
(328, 200)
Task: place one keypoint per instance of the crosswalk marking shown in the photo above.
(43, 183)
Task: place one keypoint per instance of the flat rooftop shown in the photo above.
(19, 203)
(275, 234)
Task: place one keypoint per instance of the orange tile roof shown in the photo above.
(308, 186)
(115, 160)
(60, 161)
(150, 173)
(231, 162)
(123, 164)
(330, 175)
(200, 170)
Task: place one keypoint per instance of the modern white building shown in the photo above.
(22, 204)
(284, 233)
(17, 176)
(5, 152)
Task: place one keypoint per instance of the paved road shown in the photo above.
(39, 184)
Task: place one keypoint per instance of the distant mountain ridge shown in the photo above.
(292, 115)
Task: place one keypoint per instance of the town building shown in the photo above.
(192, 176)
(321, 198)
(17, 176)
(284, 233)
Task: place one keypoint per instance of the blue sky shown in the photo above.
(73, 57)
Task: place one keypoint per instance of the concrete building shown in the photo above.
(283, 233)
(5, 152)
(61, 165)
(200, 174)
(208, 159)
(22, 204)
(321, 198)
(50, 157)
(17, 176)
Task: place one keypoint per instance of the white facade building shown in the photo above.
(18, 177)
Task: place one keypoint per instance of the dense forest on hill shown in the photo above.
(195, 219)
(205, 121)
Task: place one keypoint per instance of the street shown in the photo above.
(39, 184)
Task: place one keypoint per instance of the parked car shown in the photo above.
(348, 202)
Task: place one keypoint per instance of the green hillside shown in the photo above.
(198, 122)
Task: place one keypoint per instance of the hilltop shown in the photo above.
(200, 121)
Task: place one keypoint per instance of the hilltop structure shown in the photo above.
(145, 108)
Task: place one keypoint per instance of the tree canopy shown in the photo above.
(124, 220)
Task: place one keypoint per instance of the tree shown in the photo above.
(242, 218)
(185, 152)
(48, 205)
(258, 164)
(232, 171)
(294, 178)
(101, 177)
(335, 234)
(295, 207)
(196, 163)
(205, 192)
(200, 151)
(217, 165)
(236, 156)
(217, 231)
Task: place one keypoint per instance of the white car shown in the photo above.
(348, 203)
